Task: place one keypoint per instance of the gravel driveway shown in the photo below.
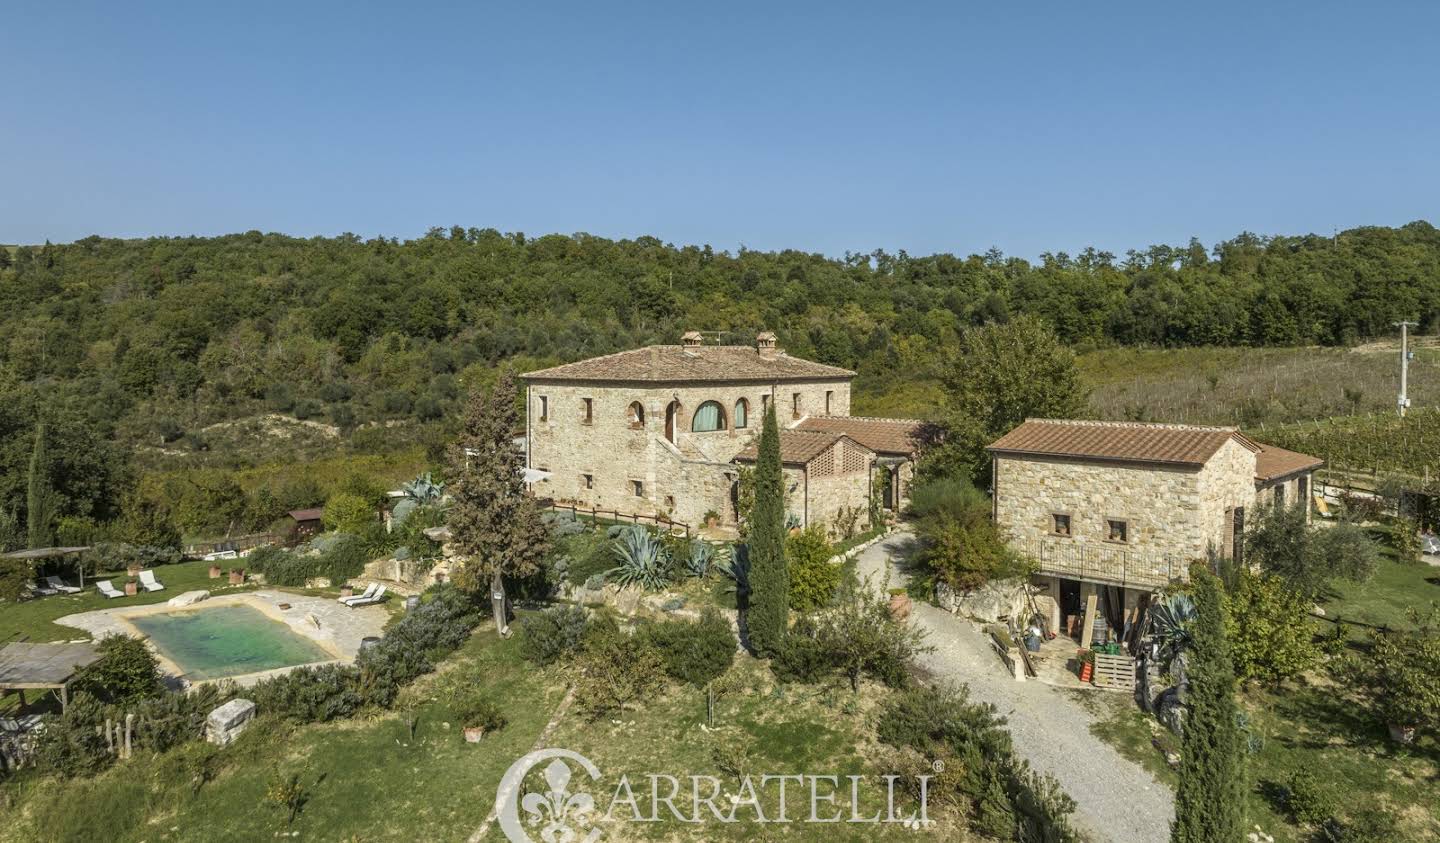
(1117, 799)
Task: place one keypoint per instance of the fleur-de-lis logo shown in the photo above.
(554, 808)
(559, 815)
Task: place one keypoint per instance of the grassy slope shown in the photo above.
(369, 781)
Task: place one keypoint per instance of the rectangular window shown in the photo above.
(1279, 495)
(587, 480)
(1117, 531)
(638, 488)
(589, 410)
(1060, 524)
(1238, 531)
(829, 396)
(764, 404)
(795, 400)
(544, 408)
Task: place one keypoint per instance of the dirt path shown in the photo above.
(1117, 799)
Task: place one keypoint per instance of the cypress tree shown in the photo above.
(39, 497)
(493, 521)
(769, 612)
(1210, 801)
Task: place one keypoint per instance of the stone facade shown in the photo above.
(603, 453)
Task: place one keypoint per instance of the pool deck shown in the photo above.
(336, 628)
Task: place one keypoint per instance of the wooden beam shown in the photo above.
(1090, 597)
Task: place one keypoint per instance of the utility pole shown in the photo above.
(1403, 401)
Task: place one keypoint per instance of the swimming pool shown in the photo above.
(221, 641)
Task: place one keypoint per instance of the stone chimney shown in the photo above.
(692, 339)
(765, 344)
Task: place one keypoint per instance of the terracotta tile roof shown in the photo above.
(883, 436)
(798, 447)
(307, 514)
(1272, 463)
(1174, 444)
(677, 363)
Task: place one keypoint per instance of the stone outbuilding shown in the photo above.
(1111, 512)
(828, 477)
(656, 431)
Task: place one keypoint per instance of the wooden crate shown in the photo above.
(1116, 672)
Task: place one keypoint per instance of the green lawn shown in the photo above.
(368, 780)
(1387, 598)
(34, 619)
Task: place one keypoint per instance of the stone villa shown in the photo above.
(1113, 511)
(666, 429)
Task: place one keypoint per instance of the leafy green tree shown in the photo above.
(348, 513)
(1400, 677)
(12, 532)
(493, 522)
(1210, 800)
(768, 615)
(1269, 628)
(145, 522)
(15, 574)
(1284, 544)
(1004, 374)
(862, 636)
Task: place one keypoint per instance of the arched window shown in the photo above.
(708, 416)
(636, 414)
(742, 413)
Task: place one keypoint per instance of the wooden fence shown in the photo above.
(615, 516)
(239, 544)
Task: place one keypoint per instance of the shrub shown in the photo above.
(967, 551)
(643, 560)
(553, 634)
(15, 575)
(170, 720)
(442, 622)
(616, 670)
(862, 637)
(71, 745)
(481, 714)
(1269, 629)
(813, 578)
(695, 652)
(1307, 799)
(802, 658)
(126, 673)
(955, 497)
(310, 694)
(1367, 825)
(1400, 678)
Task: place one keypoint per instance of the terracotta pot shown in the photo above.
(214, 572)
(900, 606)
(237, 576)
(712, 523)
(133, 570)
(1402, 734)
(347, 591)
(473, 734)
(131, 589)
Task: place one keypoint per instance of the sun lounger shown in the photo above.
(366, 601)
(60, 586)
(148, 581)
(43, 591)
(108, 589)
(369, 592)
(1430, 544)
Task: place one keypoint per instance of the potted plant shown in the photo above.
(214, 571)
(899, 604)
(237, 576)
(347, 591)
(479, 718)
(712, 519)
(131, 587)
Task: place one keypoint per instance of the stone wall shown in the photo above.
(1226, 481)
(684, 479)
(840, 478)
(1160, 504)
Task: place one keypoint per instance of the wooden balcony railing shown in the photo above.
(1112, 564)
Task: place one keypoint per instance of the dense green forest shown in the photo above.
(165, 351)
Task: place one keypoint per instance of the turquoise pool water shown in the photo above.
(220, 641)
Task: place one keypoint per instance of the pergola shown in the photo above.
(35, 554)
(44, 667)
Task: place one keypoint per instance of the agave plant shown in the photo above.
(422, 491)
(738, 570)
(1170, 624)
(703, 557)
(643, 560)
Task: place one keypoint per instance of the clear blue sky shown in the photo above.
(822, 126)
